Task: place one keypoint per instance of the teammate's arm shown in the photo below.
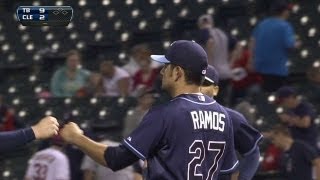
(46, 128)
(249, 165)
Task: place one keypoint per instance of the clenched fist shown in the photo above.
(70, 132)
(46, 128)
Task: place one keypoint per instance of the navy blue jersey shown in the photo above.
(188, 138)
(246, 137)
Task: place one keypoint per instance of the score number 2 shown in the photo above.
(198, 149)
(41, 11)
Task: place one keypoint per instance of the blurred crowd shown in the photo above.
(246, 70)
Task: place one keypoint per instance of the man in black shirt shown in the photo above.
(298, 116)
(299, 158)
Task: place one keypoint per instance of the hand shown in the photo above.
(70, 132)
(46, 128)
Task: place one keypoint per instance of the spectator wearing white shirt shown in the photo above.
(139, 53)
(114, 81)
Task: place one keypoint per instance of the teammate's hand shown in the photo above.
(46, 128)
(70, 132)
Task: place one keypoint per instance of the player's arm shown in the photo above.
(115, 158)
(72, 134)
(316, 165)
(46, 128)
(246, 140)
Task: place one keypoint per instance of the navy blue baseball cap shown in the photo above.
(285, 91)
(187, 54)
(212, 75)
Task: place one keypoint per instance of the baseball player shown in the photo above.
(45, 128)
(246, 137)
(50, 163)
(188, 138)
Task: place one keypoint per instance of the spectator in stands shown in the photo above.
(215, 42)
(68, 80)
(138, 53)
(114, 81)
(50, 163)
(244, 81)
(271, 158)
(298, 115)
(299, 158)
(145, 77)
(270, 44)
(94, 171)
(132, 120)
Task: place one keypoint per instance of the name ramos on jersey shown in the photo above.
(208, 120)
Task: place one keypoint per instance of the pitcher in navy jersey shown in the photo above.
(246, 137)
(188, 138)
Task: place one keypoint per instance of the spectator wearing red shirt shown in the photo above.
(244, 80)
(7, 118)
(145, 78)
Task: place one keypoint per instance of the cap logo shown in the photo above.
(204, 71)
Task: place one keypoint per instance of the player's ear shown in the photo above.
(216, 90)
(178, 72)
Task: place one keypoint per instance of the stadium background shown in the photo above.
(30, 55)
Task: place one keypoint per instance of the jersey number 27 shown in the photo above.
(198, 149)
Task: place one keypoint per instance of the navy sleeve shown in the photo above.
(246, 137)
(144, 139)
(230, 162)
(13, 139)
(248, 165)
(119, 157)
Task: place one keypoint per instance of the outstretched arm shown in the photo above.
(72, 134)
(46, 128)
(115, 158)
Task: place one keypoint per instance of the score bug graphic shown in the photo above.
(44, 15)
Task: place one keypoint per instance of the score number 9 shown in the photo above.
(42, 17)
